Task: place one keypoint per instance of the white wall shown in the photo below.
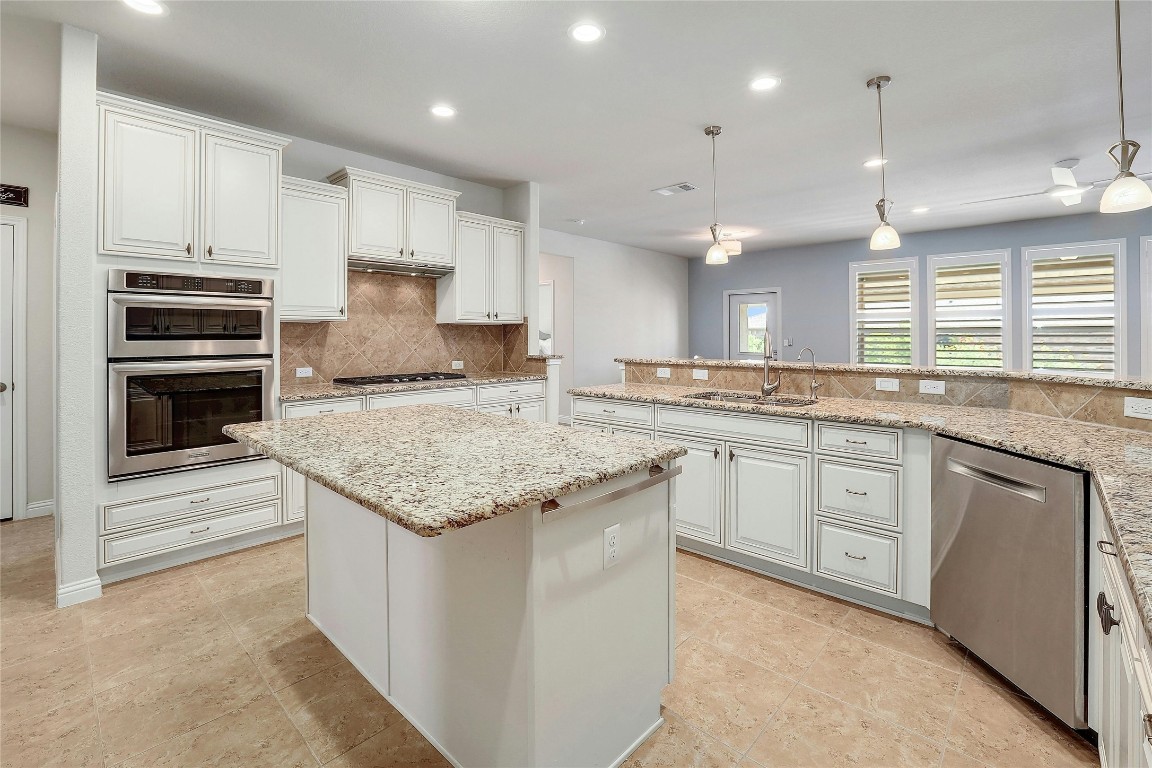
(561, 270)
(28, 159)
(629, 302)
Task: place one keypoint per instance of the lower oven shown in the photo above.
(167, 416)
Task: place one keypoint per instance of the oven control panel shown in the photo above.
(167, 282)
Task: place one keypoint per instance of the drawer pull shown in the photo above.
(855, 557)
(607, 410)
(330, 410)
(1111, 548)
(855, 442)
(513, 391)
(198, 454)
(855, 493)
(200, 501)
(201, 530)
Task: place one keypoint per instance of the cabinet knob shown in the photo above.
(715, 453)
(517, 409)
(731, 455)
(489, 315)
(188, 249)
(209, 251)
(1104, 609)
(412, 253)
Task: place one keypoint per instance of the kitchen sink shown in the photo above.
(751, 398)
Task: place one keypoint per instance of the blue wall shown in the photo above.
(813, 279)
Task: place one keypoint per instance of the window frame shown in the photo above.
(1116, 248)
(855, 269)
(1001, 256)
(727, 318)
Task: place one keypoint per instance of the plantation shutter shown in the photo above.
(1074, 315)
(969, 315)
(884, 317)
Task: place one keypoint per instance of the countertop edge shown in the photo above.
(329, 391)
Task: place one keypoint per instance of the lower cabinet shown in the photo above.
(700, 490)
(768, 504)
(529, 410)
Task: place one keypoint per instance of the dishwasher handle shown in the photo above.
(1012, 485)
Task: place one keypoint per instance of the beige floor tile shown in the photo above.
(697, 604)
(40, 635)
(974, 667)
(252, 574)
(882, 682)
(139, 715)
(256, 613)
(39, 685)
(118, 659)
(781, 642)
(292, 653)
(713, 573)
(23, 539)
(293, 544)
(397, 745)
(66, 737)
(724, 695)
(908, 637)
(797, 601)
(678, 745)
(125, 611)
(816, 731)
(954, 759)
(1002, 729)
(336, 709)
(27, 588)
(259, 735)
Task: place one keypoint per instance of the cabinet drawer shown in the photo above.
(790, 432)
(519, 390)
(120, 516)
(632, 432)
(864, 441)
(119, 548)
(460, 397)
(612, 410)
(587, 426)
(344, 405)
(867, 493)
(857, 556)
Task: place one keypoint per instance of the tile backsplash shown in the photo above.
(391, 327)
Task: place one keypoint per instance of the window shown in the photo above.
(753, 320)
(1074, 299)
(749, 314)
(968, 304)
(883, 307)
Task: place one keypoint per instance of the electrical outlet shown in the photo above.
(887, 385)
(457, 365)
(700, 374)
(788, 342)
(611, 545)
(928, 387)
(303, 373)
(1138, 407)
(663, 373)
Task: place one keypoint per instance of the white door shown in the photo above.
(472, 281)
(1114, 695)
(497, 410)
(7, 319)
(148, 171)
(430, 220)
(377, 212)
(699, 489)
(508, 258)
(241, 202)
(768, 504)
(313, 258)
(533, 411)
(749, 313)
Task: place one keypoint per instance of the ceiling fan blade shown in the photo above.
(1071, 199)
(1063, 177)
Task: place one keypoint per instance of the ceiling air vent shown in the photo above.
(675, 189)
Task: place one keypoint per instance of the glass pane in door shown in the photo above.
(750, 315)
(181, 411)
(753, 320)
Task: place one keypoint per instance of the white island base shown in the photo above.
(507, 642)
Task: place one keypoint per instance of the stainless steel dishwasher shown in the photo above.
(1008, 564)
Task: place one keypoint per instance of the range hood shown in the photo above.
(412, 270)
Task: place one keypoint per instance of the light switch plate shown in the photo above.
(457, 365)
(663, 373)
(1138, 407)
(700, 374)
(929, 387)
(303, 373)
(611, 545)
(887, 385)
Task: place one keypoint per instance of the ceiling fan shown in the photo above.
(1064, 186)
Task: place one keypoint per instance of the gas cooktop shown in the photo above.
(396, 378)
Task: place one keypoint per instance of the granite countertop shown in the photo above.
(1119, 460)
(431, 468)
(290, 393)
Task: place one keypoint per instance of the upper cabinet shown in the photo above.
(313, 252)
(488, 284)
(178, 186)
(398, 223)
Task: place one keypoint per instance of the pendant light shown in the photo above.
(885, 237)
(1127, 192)
(717, 253)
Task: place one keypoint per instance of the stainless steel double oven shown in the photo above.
(187, 354)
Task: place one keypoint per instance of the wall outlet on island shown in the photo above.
(611, 545)
(1138, 407)
(457, 365)
(663, 373)
(700, 374)
(887, 385)
(303, 373)
(928, 387)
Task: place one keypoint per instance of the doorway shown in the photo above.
(747, 315)
(13, 245)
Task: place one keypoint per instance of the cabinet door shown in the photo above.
(768, 504)
(148, 176)
(530, 411)
(313, 257)
(699, 490)
(295, 496)
(1115, 694)
(378, 221)
(585, 426)
(430, 220)
(507, 410)
(241, 202)
(508, 258)
(472, 279)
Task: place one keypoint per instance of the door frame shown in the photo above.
(19, 364)
(1144, 304)
(726, 321)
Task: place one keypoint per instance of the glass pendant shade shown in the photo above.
(732, 246)
(716, 255)
(884, 238)
(1126, 193)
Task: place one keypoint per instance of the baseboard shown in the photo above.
(78, 592)
(38, 509)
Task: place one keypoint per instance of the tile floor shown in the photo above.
(213, 664)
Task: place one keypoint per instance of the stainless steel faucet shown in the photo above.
(769, 385)
(815, 384)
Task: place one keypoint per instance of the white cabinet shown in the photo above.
(431, 218)
(488, 283)
(700, 490)
(313, 255)
(295, 484)
(241, 201)
(768, 504)
(530, 410)
(376, 229)
(858, 556)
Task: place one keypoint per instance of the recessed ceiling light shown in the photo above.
(875, 162)
(921, 209)
(150, 7)
(443, 110)
(579, 222)
(766, 83)
(585, 32)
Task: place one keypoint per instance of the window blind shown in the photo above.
(1073, 314)
(969, 315)
(884, 317)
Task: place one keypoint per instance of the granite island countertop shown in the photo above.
(291, 393)
(1119, 460)
(432, 468)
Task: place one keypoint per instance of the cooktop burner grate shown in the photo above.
(396, 378)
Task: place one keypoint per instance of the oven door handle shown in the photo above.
(192, 366)
(197, 302)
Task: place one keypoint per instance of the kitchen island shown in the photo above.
(469, 567)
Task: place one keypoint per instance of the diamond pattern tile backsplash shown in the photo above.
(392, 328)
